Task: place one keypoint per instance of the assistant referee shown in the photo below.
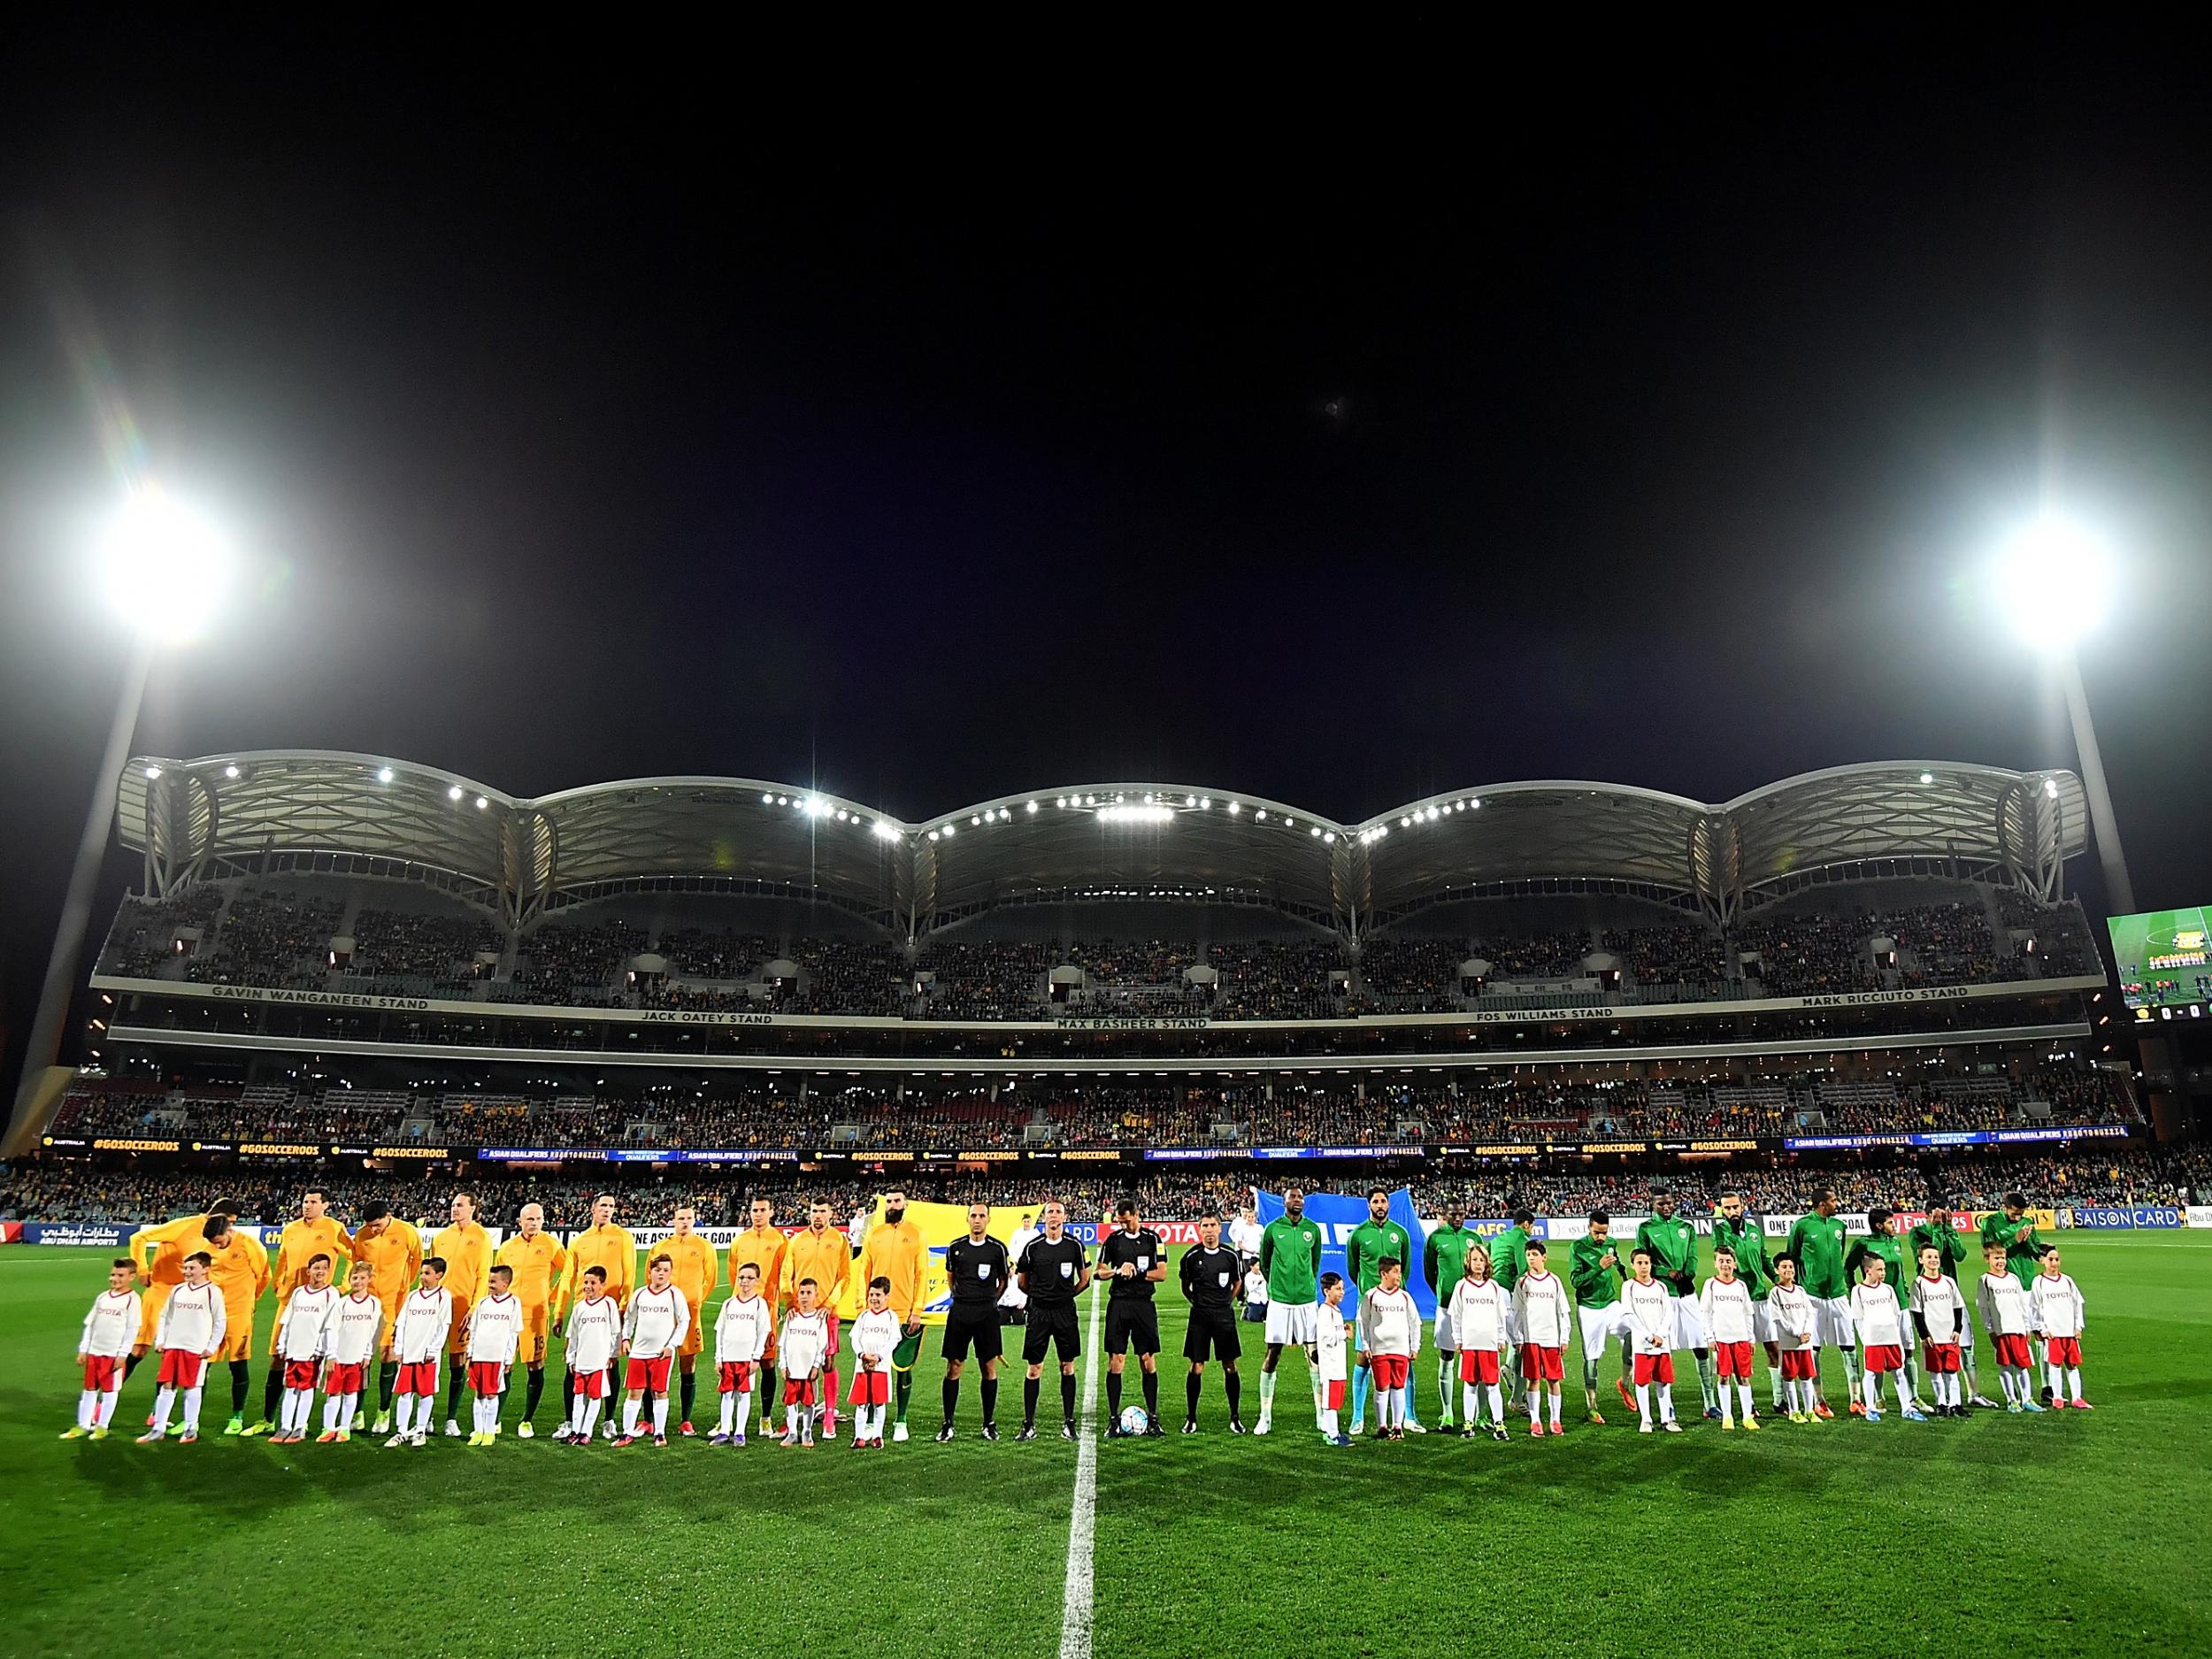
(977, 1268)
(1053, 1271)
(1212, 1278)
(1131, 1259)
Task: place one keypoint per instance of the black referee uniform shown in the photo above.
(1131, 1321)
(977, 1274)
(1211, 1284)
(1053, 1271)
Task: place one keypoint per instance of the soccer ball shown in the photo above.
(1134, 1420)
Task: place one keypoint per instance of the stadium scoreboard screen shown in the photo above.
(2165, 963)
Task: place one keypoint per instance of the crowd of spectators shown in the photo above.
(272, 939)
(144, 935)
(441, 950)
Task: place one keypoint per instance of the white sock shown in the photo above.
(1329, 1423)
(1444, 1387)
(1555, 1392)
(2073, 1389)
(1727, 1416)
(1471, 1403)
(88, 1409)
(1666, 1401)
(1743, 1397)
(1871, 1389)
(744, 1411)
(1774, 1381)
(729, 1411)
(1267, 1393)
(630, 1404)
(164, 1400)
(192, 1411)
(1497, 1401)
(108, 1400)
(791, 1422)
(1535, 1409)
(1643, 1402)
(660, 1414)
(591, 1416)
(2054, 1380)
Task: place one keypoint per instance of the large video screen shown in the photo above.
(2165, 962)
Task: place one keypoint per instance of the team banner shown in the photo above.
(1339, 1215)
(940, 1225)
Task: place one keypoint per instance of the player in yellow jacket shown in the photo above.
(761, 1247)
(613, 1251)
(240, 1269)
(393, 1250)
(536, 1259)
(697, 1271)
(169, 1243)
(820, 1252)
(316, 1232)
(466, 1250)
(893, 1250)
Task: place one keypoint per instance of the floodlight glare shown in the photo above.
(164, 567)
(2055, 581)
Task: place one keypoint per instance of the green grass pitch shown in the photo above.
(2028, 1536)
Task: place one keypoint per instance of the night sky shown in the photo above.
(1386, 417)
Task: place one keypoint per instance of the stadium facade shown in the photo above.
(1132, 975)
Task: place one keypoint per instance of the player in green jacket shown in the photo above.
(1673, 1246)
(1290, 1256)
(1595, 1270)
(1938, 1233)
(1372, 1241)
(1443, 1263)
(1744, 1234)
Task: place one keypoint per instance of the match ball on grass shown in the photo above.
(1134, 1420)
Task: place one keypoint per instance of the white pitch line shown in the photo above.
(1075, 1602)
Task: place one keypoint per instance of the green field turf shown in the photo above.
(2028, 1536)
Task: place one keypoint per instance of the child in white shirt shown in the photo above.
(1478, 1307)
(1331, 1358)
(876, 1333)
(301, 1335)
(495, 1339)
(110, 1330)
(804, 1345)
(740, 1337)
(2056, 1302)
(1878, 1319)
(2008, 1316)
(1391, 1322)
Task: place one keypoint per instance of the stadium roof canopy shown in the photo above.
(295, 810)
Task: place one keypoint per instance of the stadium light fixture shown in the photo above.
(164, 567)
(152, 772)
(2055, 581)
(1136, 814)
(383, 774)
(481, 803)
(1032, 807)
(454, 794)
(230, 772)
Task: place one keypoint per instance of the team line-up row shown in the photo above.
(1502, 1320)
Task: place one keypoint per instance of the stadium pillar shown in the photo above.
(2119, 891)
(44, 1047)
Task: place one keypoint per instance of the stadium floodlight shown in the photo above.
(1927, 777)
(230, 771)
(454, 794)
(383, 774)
(152, 773)
(481, 803)
(1135, 814)
(884, 831)
(1032, 807)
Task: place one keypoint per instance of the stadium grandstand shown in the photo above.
(717, 986)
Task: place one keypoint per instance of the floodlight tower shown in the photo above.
(164, 569)
(2054, 580)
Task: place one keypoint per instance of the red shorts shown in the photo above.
(1654, 1368)
(345, 1380)
(300, 1373)
(1478, 1364)
(2062, 1350)
(1884, 1356)
(1332, 1394)
(1940, 1358)
(417, 1376)
(592, 1385)
(1733, 1359)
(1540, 1364)
(103, 1373)
(737, 1377)
(487, 1377)
(870, 1388)
(648, 1373)
(181, 1368)
(2013, 1351)
(798, 1390)
(1801, 1365)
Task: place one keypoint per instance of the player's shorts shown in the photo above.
(1132, 1324)
(1389, 1370)
(1211, 1335)
(695, 1333)
(798, 1390)
(456, 1339)
(300, 1373)
(1478, 1364)
(149, 1304)
(1762, 1326)
(2013, 1351)
(2061, 1350)
(181, 1369)
(1732, 1360)
(1883, 1356)
(970, 1329)
(870, 1388)
(1689, 1323)
(1289, 1322)
(736, 1376)
(1799, 1364)
(1051, 1324)
(1941, 1359)
(345, 1379)
(1600, 1326)
(648, 1373)
(536, 1325)
(237, 1332)
(487, 1377)
(1654, 1368)
(592, 1385)
(1541, 1365)
(1332, 1394)
(1831, 1323)
(103, 1373)
(417, 1376)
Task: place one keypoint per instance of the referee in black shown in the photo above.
(1132, 1259)
(979, 1272)
(1053, 1271)
(1212, 1278)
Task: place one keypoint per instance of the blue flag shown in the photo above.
(1337, 1215)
